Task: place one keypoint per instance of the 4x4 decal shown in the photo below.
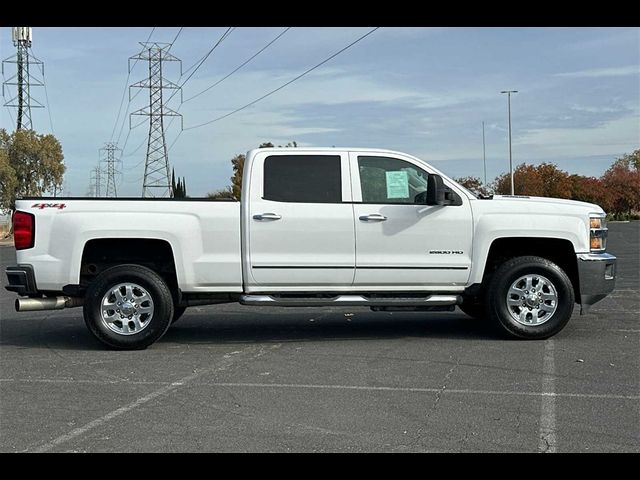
(59, 206)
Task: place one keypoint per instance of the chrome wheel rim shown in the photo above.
(126, 309)
(532, 300)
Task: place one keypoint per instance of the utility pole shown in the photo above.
(23, 79)
(156, 181)
(484, 156)
(509, 92)
(109, 156)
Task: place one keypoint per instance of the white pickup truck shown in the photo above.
(316, 227)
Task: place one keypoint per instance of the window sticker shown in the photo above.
(397, 184)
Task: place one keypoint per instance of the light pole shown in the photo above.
(509, 92)
(484, 157)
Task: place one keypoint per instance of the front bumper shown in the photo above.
(597, 277)
(21, 280)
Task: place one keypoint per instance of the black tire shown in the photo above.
(474, 309)
(508, 273)
(158, 321)
(177, 313)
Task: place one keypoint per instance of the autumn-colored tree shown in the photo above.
(544, 180)
(527, 181)
(589, 189)
(474, 184)
(237, 164)
(556, 182)
(30, 165)
(622, 184)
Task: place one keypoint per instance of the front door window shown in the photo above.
(390, 180)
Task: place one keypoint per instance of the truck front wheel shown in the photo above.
(530, 297)
(128, 307)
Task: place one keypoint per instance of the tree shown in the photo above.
(222, 194)
(544, 180)
(30, 165)
(590, 190)
(179, 190)
(622, 184)
(8, 179)
(527, 181)
(474, 184)
(237, 163)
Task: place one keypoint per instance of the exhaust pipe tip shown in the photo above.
(47, 303)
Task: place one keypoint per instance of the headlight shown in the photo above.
(598, 232)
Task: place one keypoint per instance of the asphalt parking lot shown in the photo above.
(232, 378)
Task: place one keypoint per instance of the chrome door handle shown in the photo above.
(374, 217)
(267, 216)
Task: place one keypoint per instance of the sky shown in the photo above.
(423, 91)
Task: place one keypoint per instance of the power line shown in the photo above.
(127, 137)
(46, 96)
(175, 38)
(126, 86)
(125, 115)
(8, 109)
(286, 84)
(240, 66)
(174, 141)
(199, 63)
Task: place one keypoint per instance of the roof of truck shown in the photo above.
(328, 149)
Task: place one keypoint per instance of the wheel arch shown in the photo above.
(100, 254)
(557, 250)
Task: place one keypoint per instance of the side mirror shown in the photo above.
(435, 190)
(438, 193)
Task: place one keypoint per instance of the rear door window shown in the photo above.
(303, 178)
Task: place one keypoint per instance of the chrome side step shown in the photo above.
(351, 301)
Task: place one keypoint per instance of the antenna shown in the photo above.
(24, 77)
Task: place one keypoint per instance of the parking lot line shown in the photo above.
(459, 391)
(547, 439)
(226, 362)
(109, 416)
(462, 391)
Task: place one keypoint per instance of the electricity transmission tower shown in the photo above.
(110, 157)
(96, 181)
(24, 77)
(156, 169)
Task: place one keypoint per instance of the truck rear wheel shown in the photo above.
(128, 307)
(530, 298)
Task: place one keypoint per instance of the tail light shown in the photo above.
(24, 230)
